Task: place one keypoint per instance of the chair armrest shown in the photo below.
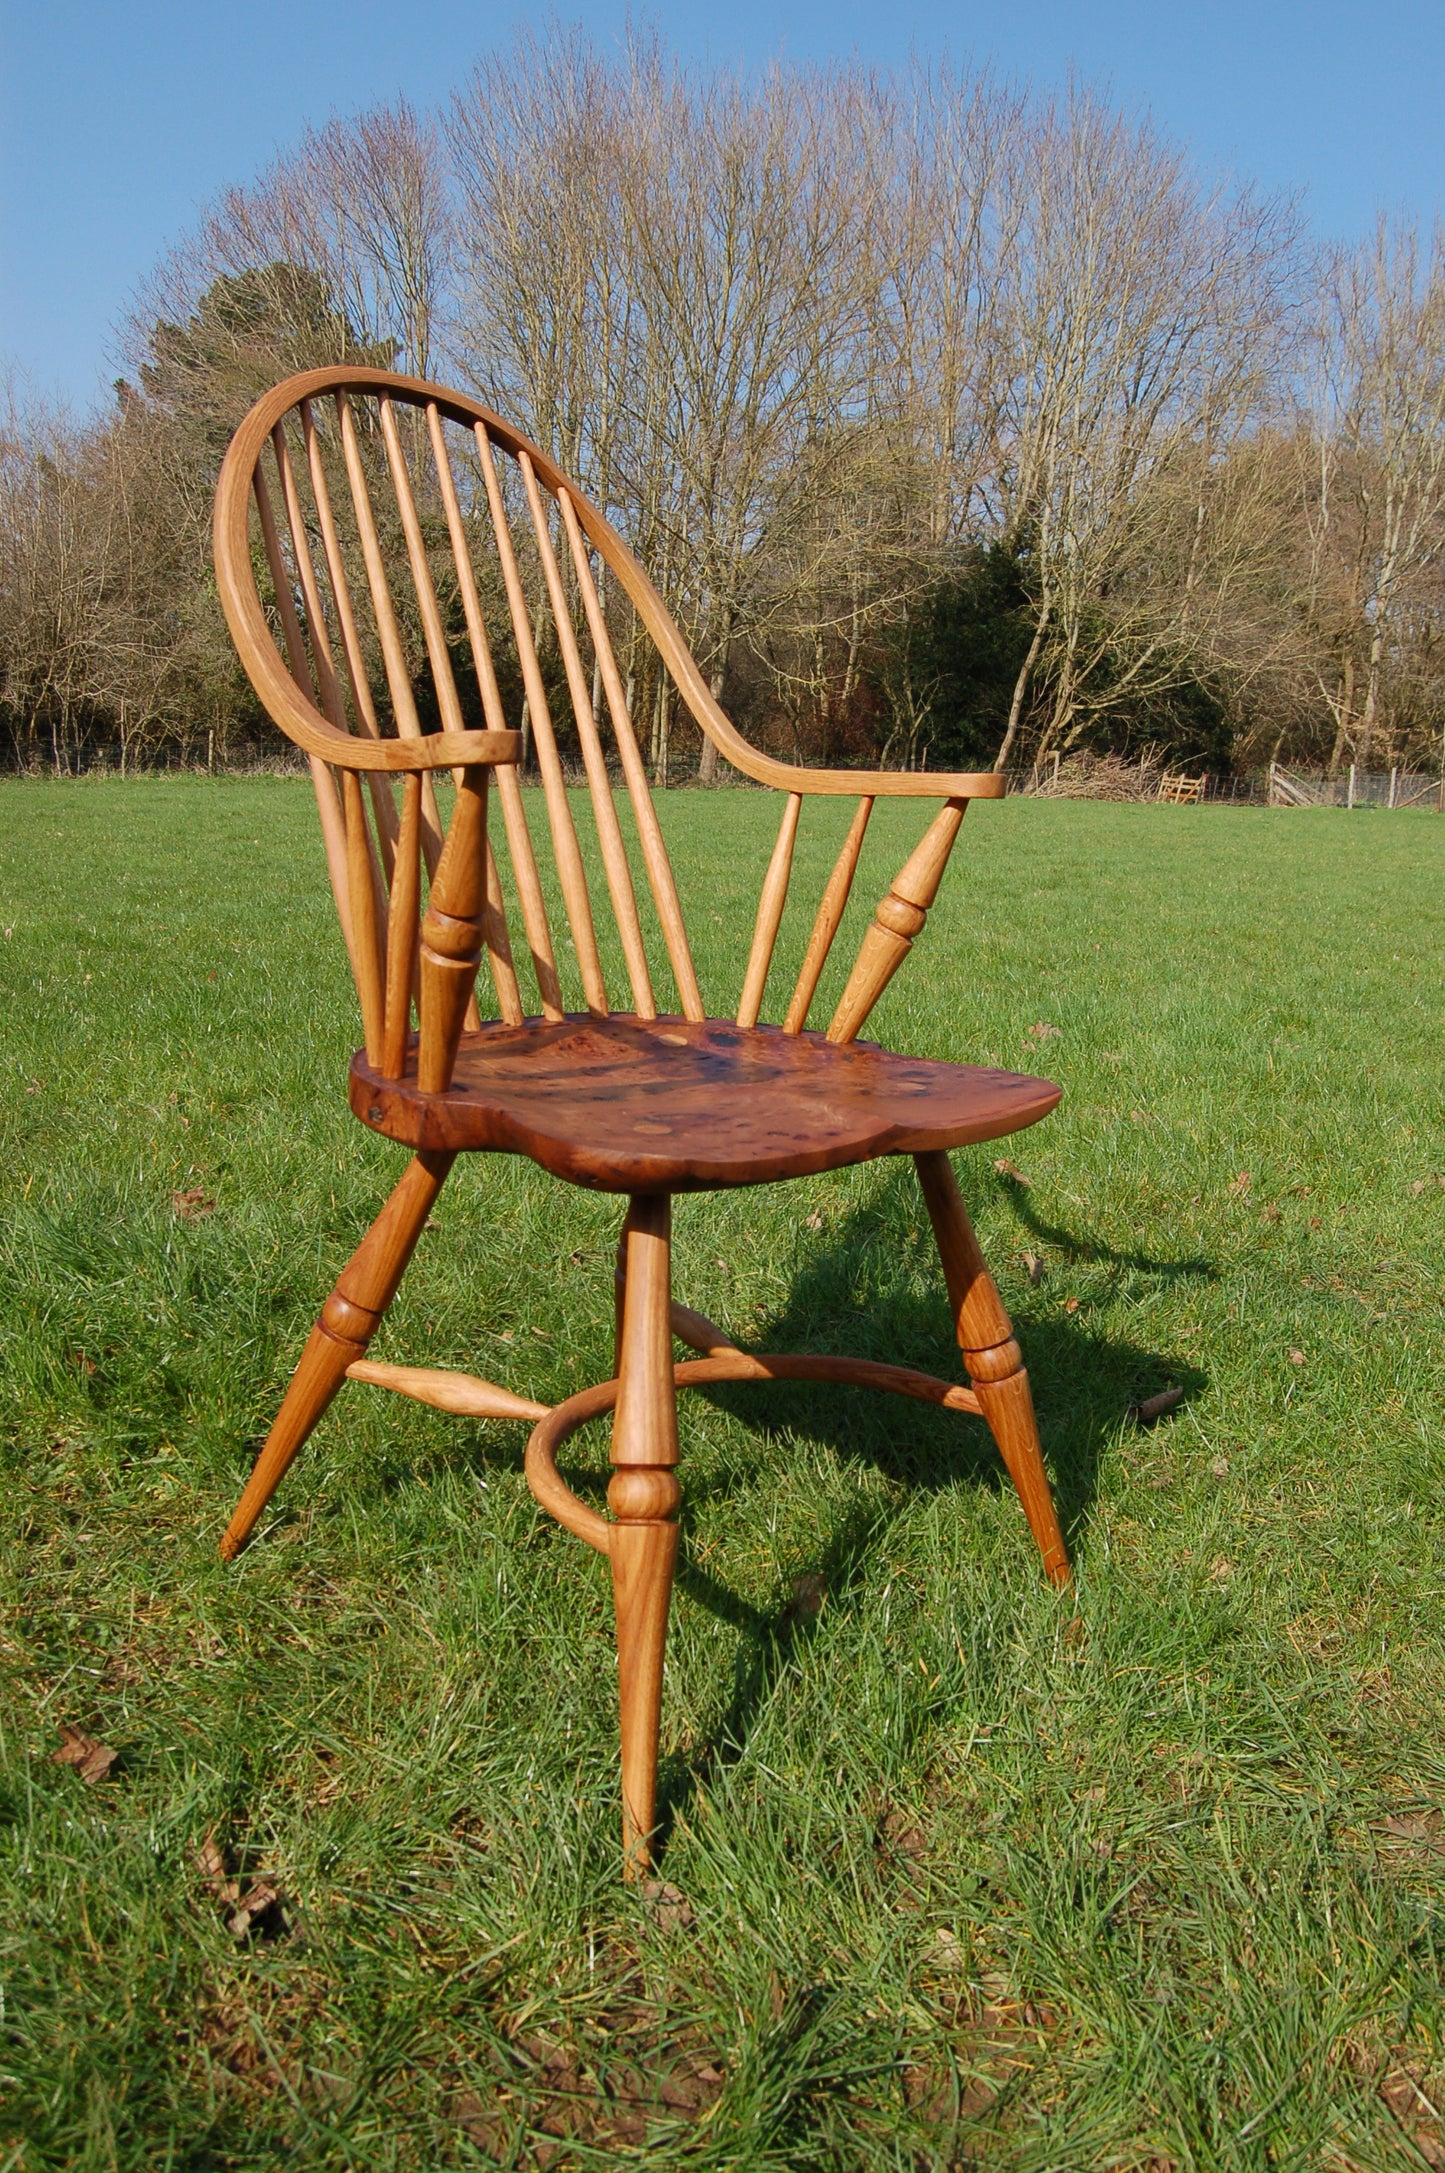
(433, 751)
(883, 784)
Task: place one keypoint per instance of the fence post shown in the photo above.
(1270, 801)
(1394, 773)
(1350, 801)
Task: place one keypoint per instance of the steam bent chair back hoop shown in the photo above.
(413, 587)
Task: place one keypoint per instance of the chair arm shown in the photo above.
(888, 784)
(433, 751)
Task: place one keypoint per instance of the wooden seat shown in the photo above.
(671, 1105)
(440, 601)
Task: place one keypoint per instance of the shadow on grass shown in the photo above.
(861, 1294)
(1092, 1251)
(872, 1288)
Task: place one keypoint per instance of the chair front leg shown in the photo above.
(644, 1496)
(349, 1319)
(992, 1357)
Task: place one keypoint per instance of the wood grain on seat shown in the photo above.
(669, 1105)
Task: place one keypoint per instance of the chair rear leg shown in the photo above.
(644, 1496)
(349, 1319)
(992, 1357)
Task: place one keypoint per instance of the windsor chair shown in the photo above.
(391, 521)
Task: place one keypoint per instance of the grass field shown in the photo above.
(1151, 1876)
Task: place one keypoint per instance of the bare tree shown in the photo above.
(833, 346)
(1374, 472)
(348, 238)
(1147, 315)
(664, 272)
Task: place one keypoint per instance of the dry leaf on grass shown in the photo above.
(1412, 1833)
(667, 1905)
(248, 1906)
(809, 1592)
(1240, 1186)
(1033, 1267)
(1417, 2114)
(814, 1221)
(1008, 1169)
(91, 1760)
(253, 1905)
(211, 1864)
(1042, 1031)
(192, 1205)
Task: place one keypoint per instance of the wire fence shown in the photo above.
(1356, 788)
(1110, 777)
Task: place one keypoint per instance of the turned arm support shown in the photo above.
(897, 919)
(452, 934)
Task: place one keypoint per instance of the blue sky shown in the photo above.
(118, 121)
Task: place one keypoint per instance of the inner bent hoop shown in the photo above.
(565, 1419)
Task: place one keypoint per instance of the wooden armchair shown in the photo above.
(384, 519)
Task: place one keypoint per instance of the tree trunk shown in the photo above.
(1021, 688)
(707, 766)
(1345, 715)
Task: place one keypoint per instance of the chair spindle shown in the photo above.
(330, 689)
(609, 833)
(336, 570)
(393, 654)
(499, 947)
(403, 930)
(830, 914)
(364, 884)
(654, 851)
(443, 678)
(380, 786)
(770, 914)
(333, 828)
(570, 871)
(466, 577)
(325, 670)
(514, 816)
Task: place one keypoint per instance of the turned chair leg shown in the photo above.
(644, 1496)
(992, 1357)
(349, 1319)
(619, 1286)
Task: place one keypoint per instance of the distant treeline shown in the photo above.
(956, 425)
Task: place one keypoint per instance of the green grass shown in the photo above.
(1149, 1876)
